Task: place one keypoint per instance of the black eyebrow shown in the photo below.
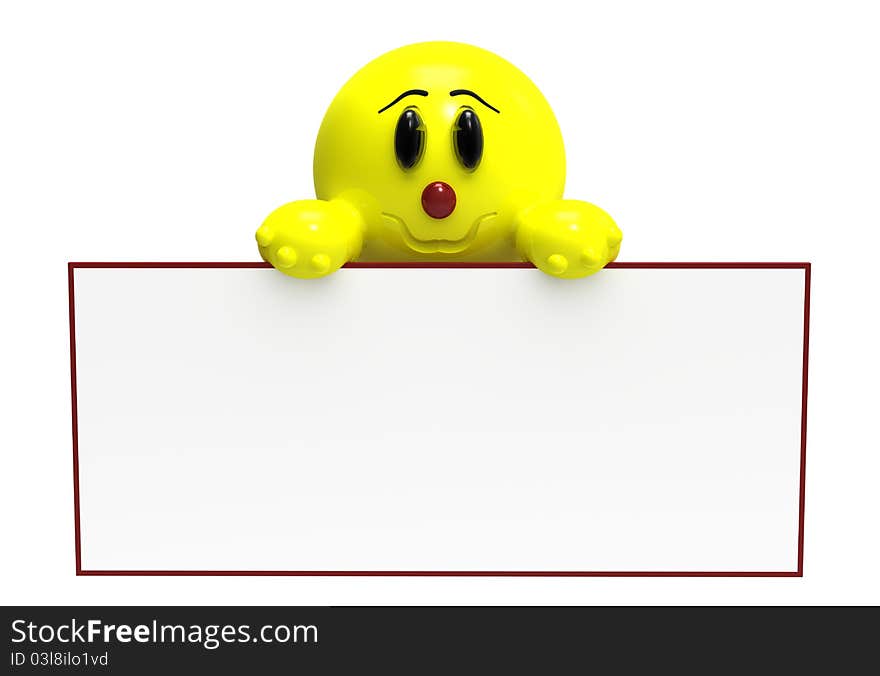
(408, 92)
(456, 92)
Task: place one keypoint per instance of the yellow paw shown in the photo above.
(310, 238)
(568, 238)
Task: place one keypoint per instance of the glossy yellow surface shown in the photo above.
(369, 207)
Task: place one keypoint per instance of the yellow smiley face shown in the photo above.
(438, 138)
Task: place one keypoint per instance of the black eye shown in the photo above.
(467, 137)
(409, 139)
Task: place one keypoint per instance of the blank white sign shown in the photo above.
(439, 420)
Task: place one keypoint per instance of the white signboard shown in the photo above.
(439, 420)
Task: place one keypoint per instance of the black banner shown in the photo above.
(414, 640)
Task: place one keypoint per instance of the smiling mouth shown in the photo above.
(438, 245)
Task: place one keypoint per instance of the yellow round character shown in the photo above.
(439, 151)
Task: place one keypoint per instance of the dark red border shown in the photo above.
(449, 573)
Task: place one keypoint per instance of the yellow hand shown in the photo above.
(567, 238)
(311, 238)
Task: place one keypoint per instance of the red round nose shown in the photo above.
(438, 199)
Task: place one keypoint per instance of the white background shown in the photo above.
(437, 420)
(734, 131)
